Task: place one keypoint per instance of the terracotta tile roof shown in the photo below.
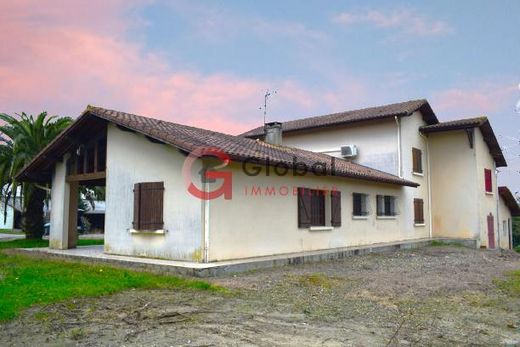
(379, 112)
(189, 138)
(468, 123)
(509, 200)
(454, 124)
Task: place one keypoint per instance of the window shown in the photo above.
(418, 208)
(335, 208)
(317, 208)
(386, 205)
(360, 204)
(148, 206)
(312, 208)
(417, 160)
(488, 180)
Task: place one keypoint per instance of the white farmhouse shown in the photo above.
(376, 176)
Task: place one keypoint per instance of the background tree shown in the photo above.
(22, 137)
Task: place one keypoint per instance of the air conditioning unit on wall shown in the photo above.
(349, 151)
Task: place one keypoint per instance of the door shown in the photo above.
(491, 230)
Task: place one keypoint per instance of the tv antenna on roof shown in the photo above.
(267, 94)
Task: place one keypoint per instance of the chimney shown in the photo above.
(273, 133)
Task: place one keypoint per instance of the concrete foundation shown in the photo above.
(94, 254)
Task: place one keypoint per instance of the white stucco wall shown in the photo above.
(6, 223)
(487, 202)
(505, 224)
(376, 142)
(454, 185)
(248, 226)
(411, 138)
(131, 159)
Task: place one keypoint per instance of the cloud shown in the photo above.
(61, 58)
(403, 20)
(217, 25)
(483, 99)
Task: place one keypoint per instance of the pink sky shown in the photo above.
(63, 57)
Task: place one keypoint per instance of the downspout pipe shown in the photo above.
(429, 183)
(205, 218)
(399, 161)
(205, 257)
(497, 198)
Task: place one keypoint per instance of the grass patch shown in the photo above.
(12, 232)
(23, 243)
(437, 243)
(28, 281)
(511, 285)
(315, 280)
(517, 249)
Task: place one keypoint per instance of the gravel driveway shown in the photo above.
(432, 296)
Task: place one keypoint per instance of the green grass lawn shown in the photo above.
(26, 281)
(511, 284)
(9, 231)
(23, 243)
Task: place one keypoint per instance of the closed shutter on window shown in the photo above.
(356, 204)
(317, 207)
(418, 205)
(417, 160)
(335, 208)
(304, 208)
(148, 206)
(380, 205)
(488, 180)
(137, 204)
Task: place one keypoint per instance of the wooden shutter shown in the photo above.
(148, 206)
(137, 206)
(335, 208)
(417, 160)
(488, 180)
(418, 206)
(304, 208)
(389, 208)
(380, 202)
(317, 207)
(356, 204)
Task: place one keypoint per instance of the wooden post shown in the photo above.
(73, 215)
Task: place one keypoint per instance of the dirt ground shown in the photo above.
(430, 296)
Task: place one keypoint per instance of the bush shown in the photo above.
(516, 231)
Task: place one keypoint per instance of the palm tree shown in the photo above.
(6, 154)
(22, 137)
